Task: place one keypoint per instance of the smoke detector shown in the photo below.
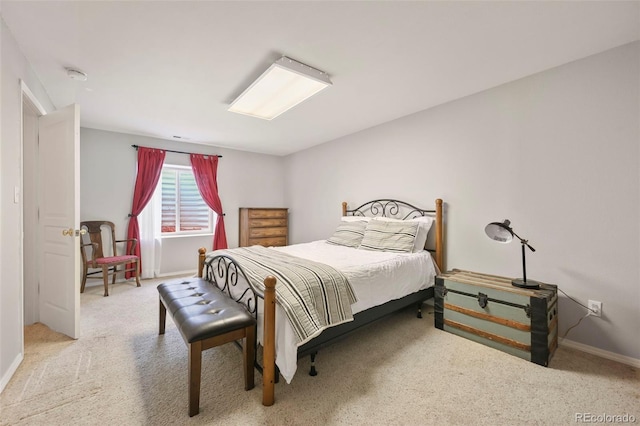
(77, 75)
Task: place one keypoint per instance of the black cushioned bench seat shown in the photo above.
(206, 318)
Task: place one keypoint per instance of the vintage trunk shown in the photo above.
(489, 310)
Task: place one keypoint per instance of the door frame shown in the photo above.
(32, 102)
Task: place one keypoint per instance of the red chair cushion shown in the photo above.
(115, 259)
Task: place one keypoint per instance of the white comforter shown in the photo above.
(376, 277)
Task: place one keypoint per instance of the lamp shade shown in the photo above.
(499, 231)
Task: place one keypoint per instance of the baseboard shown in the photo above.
(179, 273)
(12, 369)
(633, 362)
(97, 282)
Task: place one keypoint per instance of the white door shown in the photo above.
(59, 202)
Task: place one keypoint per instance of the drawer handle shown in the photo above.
(483, 300)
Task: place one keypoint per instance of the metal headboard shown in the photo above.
(396, 209)
(386, 208)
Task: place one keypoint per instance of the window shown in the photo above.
(183, 209)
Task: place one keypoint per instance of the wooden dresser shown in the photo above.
(263, 226)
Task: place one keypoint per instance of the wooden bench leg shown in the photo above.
(195, 370)
(249, 357)
(163, 318)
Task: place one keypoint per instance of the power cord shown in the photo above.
(589, 312)
(586, 307)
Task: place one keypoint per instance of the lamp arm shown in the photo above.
(523, 241)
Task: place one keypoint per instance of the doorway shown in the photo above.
(31, 111)
(50, 210)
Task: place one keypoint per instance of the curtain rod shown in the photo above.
(178, 152)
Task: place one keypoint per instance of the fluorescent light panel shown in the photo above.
(284, 85)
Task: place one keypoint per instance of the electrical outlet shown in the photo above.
(595, 308)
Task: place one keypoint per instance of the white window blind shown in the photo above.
(183, 209)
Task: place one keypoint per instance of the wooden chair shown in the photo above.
(96, 259)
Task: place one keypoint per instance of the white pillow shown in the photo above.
(348, 234)
(423, 229)
(393, 236)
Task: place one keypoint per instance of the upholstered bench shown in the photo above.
(206, 318)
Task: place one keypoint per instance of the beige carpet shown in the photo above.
(399, 371)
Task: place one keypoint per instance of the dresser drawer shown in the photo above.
(267, 223)
(274, 241)
(267, 232)
(267, 213)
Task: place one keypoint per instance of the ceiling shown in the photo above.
(166, 69)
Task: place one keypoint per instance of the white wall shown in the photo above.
(13, 68)
(557, 153)
(108, 173)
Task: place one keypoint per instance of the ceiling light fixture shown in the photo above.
(284, 85)
(75, 74)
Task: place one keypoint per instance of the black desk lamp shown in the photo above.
(503, 233)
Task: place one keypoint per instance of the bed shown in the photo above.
(380, 242)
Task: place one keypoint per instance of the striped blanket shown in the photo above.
(313, 295)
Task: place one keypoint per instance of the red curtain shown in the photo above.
(149, 169)
(205, 170)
